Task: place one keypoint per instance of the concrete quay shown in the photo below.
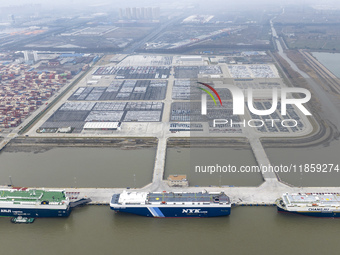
(265, 194)
(262, 159)
(159, 162)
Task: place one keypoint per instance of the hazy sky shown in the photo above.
(136, 2)
(125, 3)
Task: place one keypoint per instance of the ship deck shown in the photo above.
(31, 195)
(309, 198)
(187, 197)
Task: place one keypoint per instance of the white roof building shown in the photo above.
(101, 126)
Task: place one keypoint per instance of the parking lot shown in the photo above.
(187, 72)
(258, 84)
(253, 71)
(135, 72)
(191, 112)
(76, 114)
(185, 89)
(275, 126)
(123, 90)
(135, 90)
(146, 60)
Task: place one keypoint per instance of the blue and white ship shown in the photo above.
(310, 204)
(172, 204)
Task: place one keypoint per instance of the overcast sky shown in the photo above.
(136, 2)
(125, 3)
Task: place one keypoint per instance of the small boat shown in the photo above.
(21, 219)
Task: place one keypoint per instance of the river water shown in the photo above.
(189, 160)
(97, 230)
(301, 156)
(112, 167)
(330, 60)
(78, 167)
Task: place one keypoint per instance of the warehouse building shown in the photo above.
(102, 126)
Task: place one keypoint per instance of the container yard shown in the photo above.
(27, 86)
(22, 91)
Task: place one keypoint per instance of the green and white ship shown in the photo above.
(33, 203)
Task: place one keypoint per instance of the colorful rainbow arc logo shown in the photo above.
(209, 93)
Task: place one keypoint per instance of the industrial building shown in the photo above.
(143, 13)
(177, 181)
(102, 126)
